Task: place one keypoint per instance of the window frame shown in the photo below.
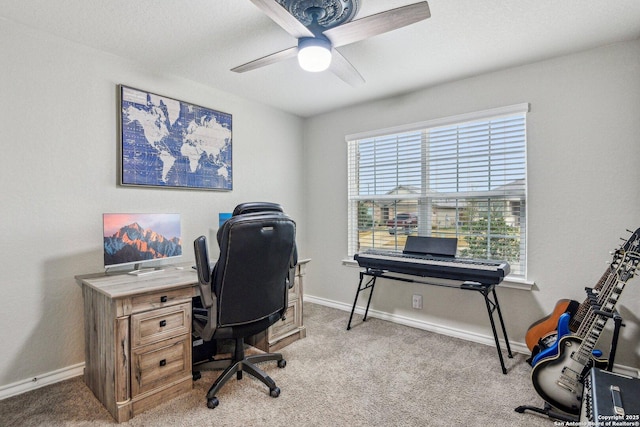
(422, 197)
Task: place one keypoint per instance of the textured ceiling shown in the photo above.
(202, 40)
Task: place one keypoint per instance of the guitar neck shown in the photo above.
(604, 286)
(597, 317)
(583, 309)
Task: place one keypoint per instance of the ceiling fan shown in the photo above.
(323, 25)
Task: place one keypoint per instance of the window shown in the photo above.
(463, 176)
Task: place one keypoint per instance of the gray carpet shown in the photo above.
(376, 374)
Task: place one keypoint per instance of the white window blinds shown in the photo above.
(463, 177)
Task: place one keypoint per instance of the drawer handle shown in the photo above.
(163, 323)
(163, 362)
(163, 298)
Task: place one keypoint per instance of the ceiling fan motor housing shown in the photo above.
(329, 13)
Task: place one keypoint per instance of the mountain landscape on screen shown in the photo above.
(134, 243)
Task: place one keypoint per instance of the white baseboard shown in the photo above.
(46, 379)
(517, 347)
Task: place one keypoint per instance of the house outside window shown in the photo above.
(462, 177)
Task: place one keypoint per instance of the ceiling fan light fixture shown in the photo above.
(314, 54)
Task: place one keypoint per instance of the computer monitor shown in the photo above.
(133, 239)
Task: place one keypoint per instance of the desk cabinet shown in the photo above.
(138, 338)
(284, 332)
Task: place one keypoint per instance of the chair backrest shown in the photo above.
(250, 278)
(253, 207)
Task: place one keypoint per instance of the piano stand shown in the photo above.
(370, 284)
(487, 291)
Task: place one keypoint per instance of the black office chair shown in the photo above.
(246, 292)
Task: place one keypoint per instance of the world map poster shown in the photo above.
(170, 143)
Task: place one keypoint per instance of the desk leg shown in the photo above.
(122, 362)
(370, 284)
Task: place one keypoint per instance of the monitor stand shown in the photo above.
(137, 271)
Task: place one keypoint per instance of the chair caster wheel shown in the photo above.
(213, 402)
(282, 363)
(274, 392)
(196, 375)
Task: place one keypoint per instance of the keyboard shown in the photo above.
(464, 269)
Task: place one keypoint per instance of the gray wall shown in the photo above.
(58, 174)
(583, 176)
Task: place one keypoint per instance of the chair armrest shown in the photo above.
(291, 277)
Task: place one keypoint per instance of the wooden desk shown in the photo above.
(138, 338)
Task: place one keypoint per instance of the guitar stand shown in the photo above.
(547, 411)
(617, 324)
(487, 291)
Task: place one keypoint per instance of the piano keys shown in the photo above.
(486, 272)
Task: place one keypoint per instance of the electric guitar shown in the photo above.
(568, 323)
(544, 333)
(553, 343)
(558, 379)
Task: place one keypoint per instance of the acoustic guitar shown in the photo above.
(540, 330)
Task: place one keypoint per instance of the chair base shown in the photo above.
(239, 364)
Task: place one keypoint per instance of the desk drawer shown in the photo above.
(156, 325)
(160, 363)
(160, 299)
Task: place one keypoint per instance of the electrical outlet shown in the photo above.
(416, 301)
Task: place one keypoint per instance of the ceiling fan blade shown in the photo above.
(292, 52)
(342, 68)
(282, 17)
(379, 23)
